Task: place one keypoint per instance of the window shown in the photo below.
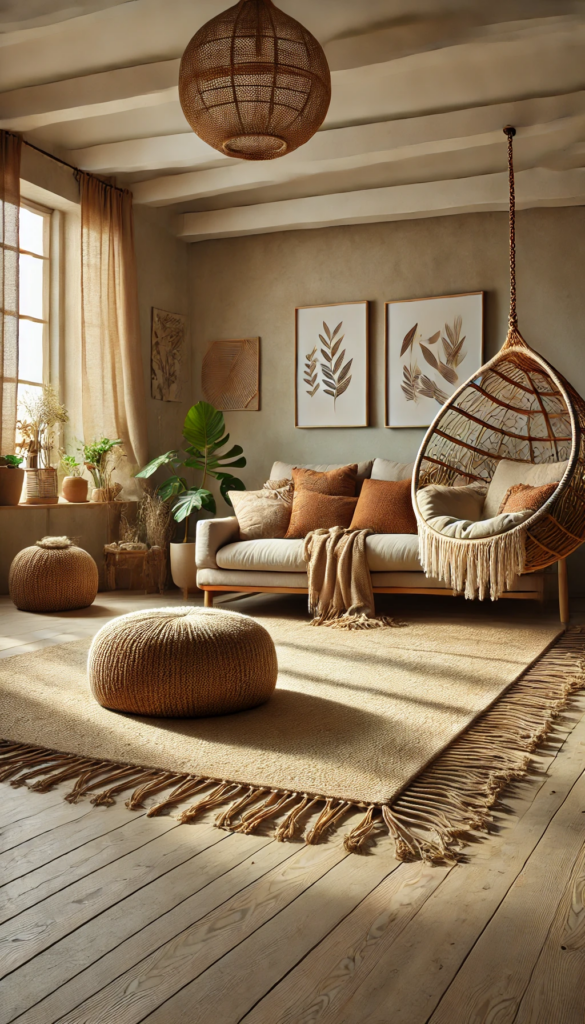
(33, 321)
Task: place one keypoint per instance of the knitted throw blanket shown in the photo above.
(340, 585)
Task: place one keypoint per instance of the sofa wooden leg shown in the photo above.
(208, 598)
(185, 593)
(563, 592)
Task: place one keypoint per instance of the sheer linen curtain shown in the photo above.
(113, 395)
(9, 237)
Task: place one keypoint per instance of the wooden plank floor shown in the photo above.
(109, 917)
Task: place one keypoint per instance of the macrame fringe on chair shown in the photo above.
(430, 820)
(479, 569)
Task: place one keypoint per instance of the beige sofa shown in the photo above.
(224, 563)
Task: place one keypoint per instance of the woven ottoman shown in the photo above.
(182, 663)
(53, 575)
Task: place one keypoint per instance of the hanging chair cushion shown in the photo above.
(465, 502)
(509, 473)
(522, 496)
(459, 512)
(465, 529)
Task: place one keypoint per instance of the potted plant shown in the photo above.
(11, 479)
(38, 431)
(74, 486)
(204, 432)
(99, 461)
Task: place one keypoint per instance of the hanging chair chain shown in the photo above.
(513, 318)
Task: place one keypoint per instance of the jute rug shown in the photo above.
(420, 726)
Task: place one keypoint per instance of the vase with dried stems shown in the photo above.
(39, 433)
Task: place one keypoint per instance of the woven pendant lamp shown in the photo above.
(254, 83)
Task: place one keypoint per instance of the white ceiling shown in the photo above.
(421, 91)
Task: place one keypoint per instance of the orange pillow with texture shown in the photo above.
(385, 506)
(522, 496)
(334, 481)
(314, 511)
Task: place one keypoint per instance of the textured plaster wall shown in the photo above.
(162, 272)
(250, 286)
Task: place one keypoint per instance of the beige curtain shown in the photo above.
(9, 231)
(113, 396)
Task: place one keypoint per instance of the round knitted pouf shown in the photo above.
(53, 575)
(182, 663)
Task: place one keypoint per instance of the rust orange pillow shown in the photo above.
(312, 510)
(385, 506)
(522, 496)
(334, 481)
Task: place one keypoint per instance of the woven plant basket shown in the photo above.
(54, 575)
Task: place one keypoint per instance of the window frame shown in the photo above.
(47, 215)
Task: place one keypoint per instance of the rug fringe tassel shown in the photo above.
(359, 836)
(430, 820)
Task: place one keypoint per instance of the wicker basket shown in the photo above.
(42, 487)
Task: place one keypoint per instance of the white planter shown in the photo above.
(183, 568)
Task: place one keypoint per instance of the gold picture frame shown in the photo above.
(435, 378)
(326, 365)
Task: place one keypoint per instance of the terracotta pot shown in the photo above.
(74, 488)
(11, 481)
(183, 569)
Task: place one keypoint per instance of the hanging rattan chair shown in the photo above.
(516, 407)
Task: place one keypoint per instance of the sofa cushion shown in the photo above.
(385, 552)
(385, 506)
(509, 473)
(383, 469)
(332, 481)
(263, 556)
(284, 469)
(396, 552)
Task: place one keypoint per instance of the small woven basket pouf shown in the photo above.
(53, 575)
(182, 663)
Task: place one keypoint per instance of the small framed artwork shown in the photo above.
(432, 346)
(331, 365)
(166, 355)
(230, 375)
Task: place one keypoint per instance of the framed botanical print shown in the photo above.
(166, 355)
(331, 365)
(432, 346)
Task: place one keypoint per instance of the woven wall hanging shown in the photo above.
(230, 375)
(254, 83)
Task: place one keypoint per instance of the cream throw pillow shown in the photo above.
(509, 473)
(384, 469)
(461, 503)
(260, 514)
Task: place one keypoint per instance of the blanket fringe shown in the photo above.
(348, 620)
(430, 820)
(476, 568)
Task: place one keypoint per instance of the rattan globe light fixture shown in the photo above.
(254, 83)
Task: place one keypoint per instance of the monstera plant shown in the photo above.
(204, 432)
